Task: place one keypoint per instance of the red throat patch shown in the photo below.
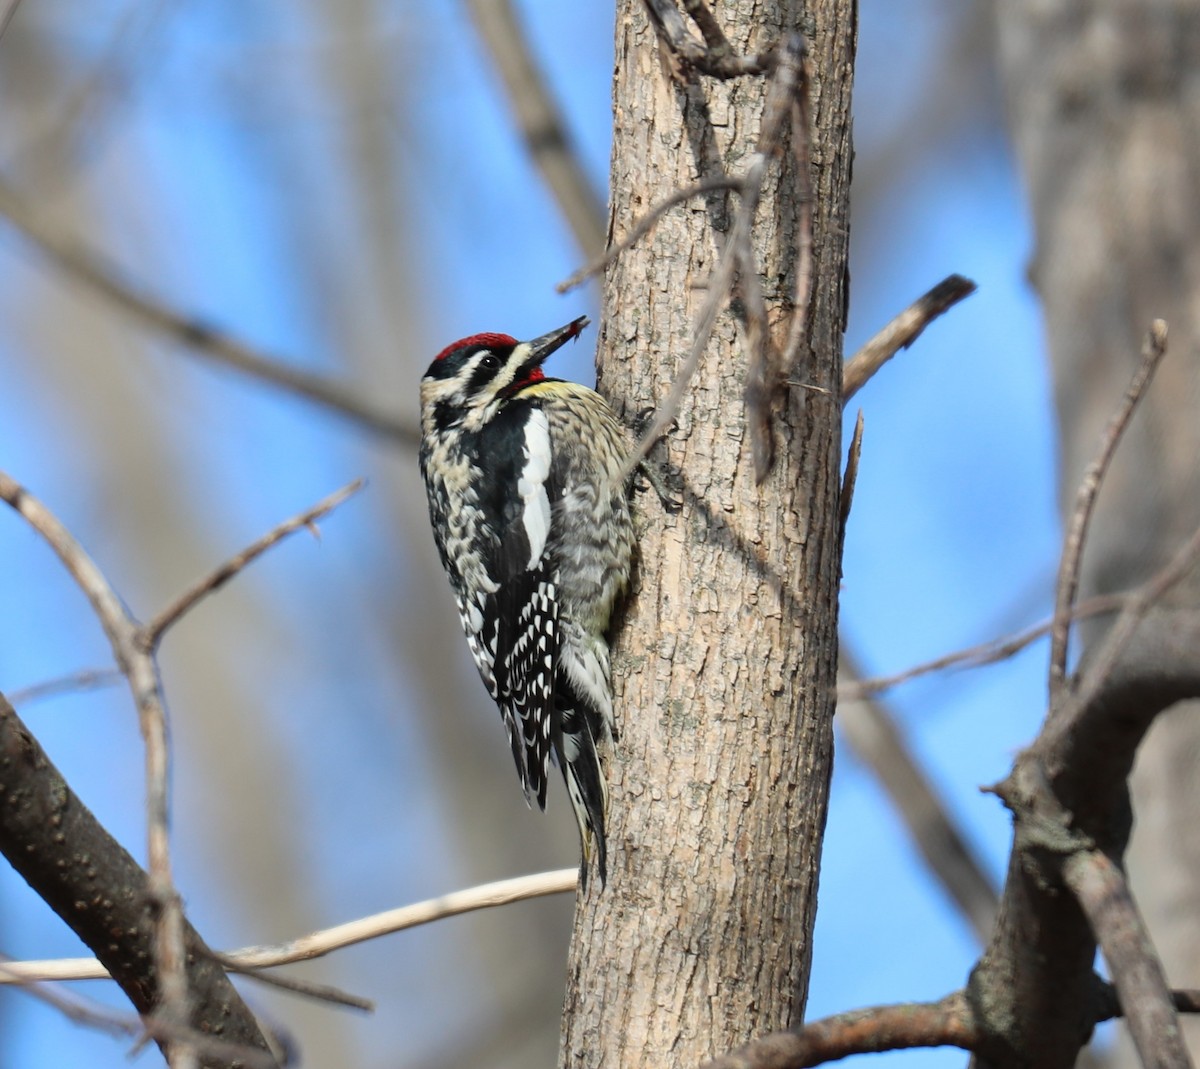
(536, 375)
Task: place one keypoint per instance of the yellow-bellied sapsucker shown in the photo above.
(531, 518)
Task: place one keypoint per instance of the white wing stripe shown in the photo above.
(531, 486)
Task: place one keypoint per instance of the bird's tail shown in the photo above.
(586, 785)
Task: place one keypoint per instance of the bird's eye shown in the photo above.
(490, 361)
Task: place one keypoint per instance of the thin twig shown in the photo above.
(990, 652)
(645, 224)
(197, 337)
(902, 331)
(85, 679)
(318, 944)
(151, 635)
(295, 986)
(1153, 350)
(541, 121)
(1137, 974)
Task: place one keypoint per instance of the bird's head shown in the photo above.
(470, 379)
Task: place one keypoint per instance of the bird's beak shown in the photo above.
(540, 348)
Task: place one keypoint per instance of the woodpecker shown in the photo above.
(530, 512)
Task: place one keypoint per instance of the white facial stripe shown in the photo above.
(531, 486)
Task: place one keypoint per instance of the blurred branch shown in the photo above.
(878, 742)
(541, 121)
(195, 336)
(85, 679)
(902, 331)
(1153, 350)
(6, 14)
(76, 1008)
(318, 944)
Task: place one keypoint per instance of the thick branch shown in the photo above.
(542, 124)
(948, 1022)
(91, 882)
(1069, 795)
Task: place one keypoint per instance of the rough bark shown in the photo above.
(725, 664)
(1104, 99)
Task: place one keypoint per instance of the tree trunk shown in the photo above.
(724, 666)
(1106, 118)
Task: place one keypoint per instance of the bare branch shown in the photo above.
(542, 124)
(141, 671)
(198, 338)
(318, 944)
(902, 331)
(1136, 972)
(151, 635)
(1153, 350)
(949, 1022)
(710, 29)
(674, 34)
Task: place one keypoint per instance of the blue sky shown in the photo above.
(217, 130)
